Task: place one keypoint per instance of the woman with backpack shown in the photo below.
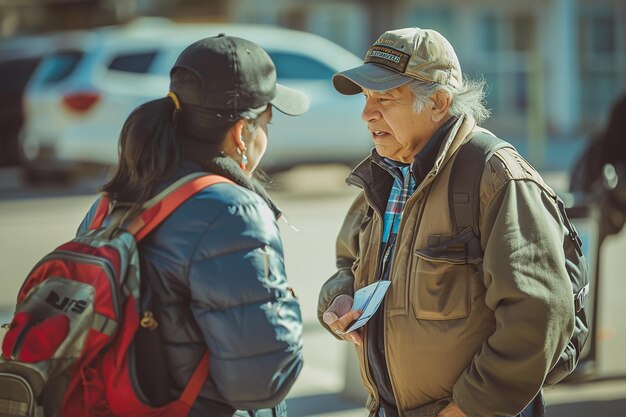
(213, 273)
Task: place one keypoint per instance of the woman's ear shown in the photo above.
(235, 134)
(441, 102)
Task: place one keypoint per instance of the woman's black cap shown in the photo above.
(235, 75)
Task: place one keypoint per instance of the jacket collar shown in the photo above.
(220, 164)
(457, 136)
(424, 161)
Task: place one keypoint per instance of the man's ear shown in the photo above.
(441, 103)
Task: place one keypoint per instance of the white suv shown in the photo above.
(80, 95)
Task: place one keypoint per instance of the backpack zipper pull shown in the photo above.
(148, 321)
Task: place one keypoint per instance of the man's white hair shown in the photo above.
(468, 99)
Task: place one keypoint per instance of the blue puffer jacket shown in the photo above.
(216, 273)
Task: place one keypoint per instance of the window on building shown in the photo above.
(522, 32)
(602, 32)
(440, 19)
(489, 33)
(340, 22)
(506, 42)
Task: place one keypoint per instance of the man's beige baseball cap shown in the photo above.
(400, 56)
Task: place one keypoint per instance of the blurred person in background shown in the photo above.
(600, 172)
(450, 339)
(215, 266)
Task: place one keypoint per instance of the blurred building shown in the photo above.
(554, 67)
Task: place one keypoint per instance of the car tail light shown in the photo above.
(80, 102)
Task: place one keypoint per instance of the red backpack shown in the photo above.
(65, 353)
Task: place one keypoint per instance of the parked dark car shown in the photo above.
(16, 66)
(19, 58)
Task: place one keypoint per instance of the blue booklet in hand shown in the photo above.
(368, 300)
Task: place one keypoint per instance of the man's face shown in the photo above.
(397, 131)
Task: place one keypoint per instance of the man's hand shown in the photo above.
(451, 410)
(340, 317)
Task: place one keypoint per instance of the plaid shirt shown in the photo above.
(402, 188)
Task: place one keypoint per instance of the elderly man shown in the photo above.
(450, 339)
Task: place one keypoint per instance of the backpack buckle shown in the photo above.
(573, 234)
(580, 297)
(578, 243)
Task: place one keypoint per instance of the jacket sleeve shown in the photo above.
(86, 222)
(251, 323)
(347, 250)
(528, 288)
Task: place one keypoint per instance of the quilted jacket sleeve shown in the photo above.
(250, 322)
(86, 222)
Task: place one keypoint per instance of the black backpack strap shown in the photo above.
(464, 188)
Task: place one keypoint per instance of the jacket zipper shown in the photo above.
(352, 180)
(440, 259)
(391, 380)
(357, 181)
(20, 339)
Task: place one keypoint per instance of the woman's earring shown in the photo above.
(244, 157)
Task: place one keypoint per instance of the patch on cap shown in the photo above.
(387, 57)
(400, 56)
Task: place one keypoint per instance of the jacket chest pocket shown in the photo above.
(441, 285)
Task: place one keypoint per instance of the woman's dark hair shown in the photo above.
(151, 148)
(148, 152)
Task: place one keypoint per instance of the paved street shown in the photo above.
(33, 221)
